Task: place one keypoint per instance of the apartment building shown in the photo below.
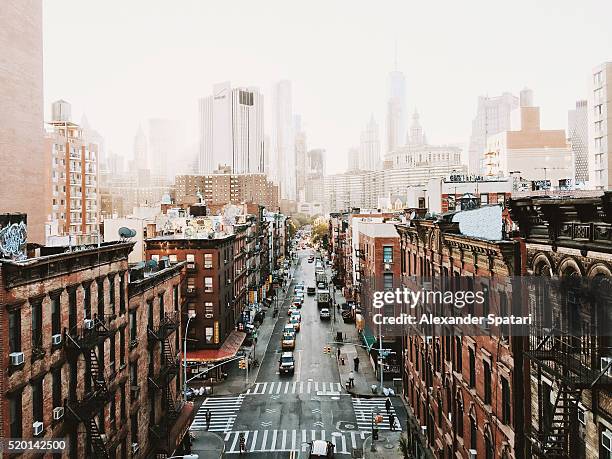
(600, 127)
(466, 393)
(80, 343)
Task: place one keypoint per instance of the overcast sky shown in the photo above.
(122, 62)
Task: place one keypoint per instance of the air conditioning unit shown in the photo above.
(387, 267)
(38, 428)
(225, 262)
(88, 324)
(56, 339)
(17, 358)
(605, 361)
(229, 281)
(135, 448)
(58, 413)
(208, 316)
(190, 289)
(429, 339)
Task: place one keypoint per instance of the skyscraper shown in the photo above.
(578, 135)
(396, 111)
(141, 158)
(283, 165)
(300, 157)
(600, 128)
(353, 159)
(163, 147)
(492, 117)
(231, 129)
(369, 153)
(21, 116)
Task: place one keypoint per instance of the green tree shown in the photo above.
(320, 235)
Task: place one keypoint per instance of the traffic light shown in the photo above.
(242, 364)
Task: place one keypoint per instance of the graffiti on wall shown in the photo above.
(13, 239)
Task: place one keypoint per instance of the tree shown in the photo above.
(291, 228)
(320, 235)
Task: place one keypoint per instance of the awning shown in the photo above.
(228, 350)
(368, 338)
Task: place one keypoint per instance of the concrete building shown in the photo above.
(600, 128)
(91, 354)
(353, 160)
(300, 158)
(578, 137)
(284, 155)
(227, 188)
(492, 117)
(526, 149)
(21, 118)
(73, 198)
(315, 173)
(231, 129)
(455, 385)
(397, 113)
(369, 152)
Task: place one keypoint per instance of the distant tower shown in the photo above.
(417, 137)
(397, 121)
(141, 159)
(578, 136)
(369, 157)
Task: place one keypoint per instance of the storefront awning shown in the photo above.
(368, 338)
(226, 351)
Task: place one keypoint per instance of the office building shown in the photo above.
(231, 130)
(492, 117)
(164, 139)
(397, 114)
(600, 128)
(21, 118)
(284, 155)
(369, 154)
(300, 158)
(578, 137)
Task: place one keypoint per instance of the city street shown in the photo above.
(279, 414)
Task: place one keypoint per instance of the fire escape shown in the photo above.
(575, 362)
(84, 340)
(161, 382)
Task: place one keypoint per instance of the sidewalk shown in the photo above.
(365, 377)
(235, 383)
(386, 447)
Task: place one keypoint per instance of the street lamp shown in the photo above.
(190, 315)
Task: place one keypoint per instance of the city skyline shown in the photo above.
(447, 66)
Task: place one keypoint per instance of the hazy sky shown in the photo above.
(122, 62)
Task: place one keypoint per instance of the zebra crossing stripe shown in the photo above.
(295, 387)
(254, 440)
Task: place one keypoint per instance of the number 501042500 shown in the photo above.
(15, 445)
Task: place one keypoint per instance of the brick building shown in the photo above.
(224, 188)
(466, 393)
(378, 268)
(570, 381)
(70, 353)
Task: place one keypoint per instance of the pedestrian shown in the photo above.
(338, 353)
(391, 421)
(388, 406)
(351, 379)
(208, 418)
(356, 362)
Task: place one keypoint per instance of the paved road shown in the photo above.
(280, 414)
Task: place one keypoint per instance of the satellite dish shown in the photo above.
(126, 233)
(151, 265)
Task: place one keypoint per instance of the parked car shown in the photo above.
(289, 329)
(291, 310)
(297, 314)
(311, 290)
(324, 314)
(321, 448)
(286, 363)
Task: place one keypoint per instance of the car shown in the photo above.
(288, 341)
(289, 329)
(321, 448)
(297, 314)
(286, 363)
(299, 297)
(311, 290)
(310, 259)
(295, 321)
(292, 310)
(296, 304)
(321, 285)
(324, 314)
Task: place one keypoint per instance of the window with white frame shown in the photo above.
(208, 260)
(208, 284)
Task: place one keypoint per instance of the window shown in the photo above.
(37, 400)
(123, 407)
(122, 347)
(473, 433)
(56, 316)
(208, 334)
(57, 386)
(113, 412)
(606, 443)
(388, 281)
(504, 329)
(472, 367)
(175, 297)
(111, 293)
(37, 325)
(134, 427)
(72, 308)
(134, 374)
(459, 423)
(208, 284)
(487, 382)
(208, 262)
(133, 329)
(112, 354)
(506, 401)
(122, 293)
(484, 198)
(101, 298)
(208, 308)
(387, 254)
(489, 449)
(172, 258)
(15, 331)
(459, 352)
(15, 411)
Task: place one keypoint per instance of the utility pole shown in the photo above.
(380, 356)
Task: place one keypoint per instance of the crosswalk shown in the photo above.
(295, 387)
(364, 407)
(224, 411)
(260, 441)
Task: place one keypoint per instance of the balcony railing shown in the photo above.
(168, 326)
